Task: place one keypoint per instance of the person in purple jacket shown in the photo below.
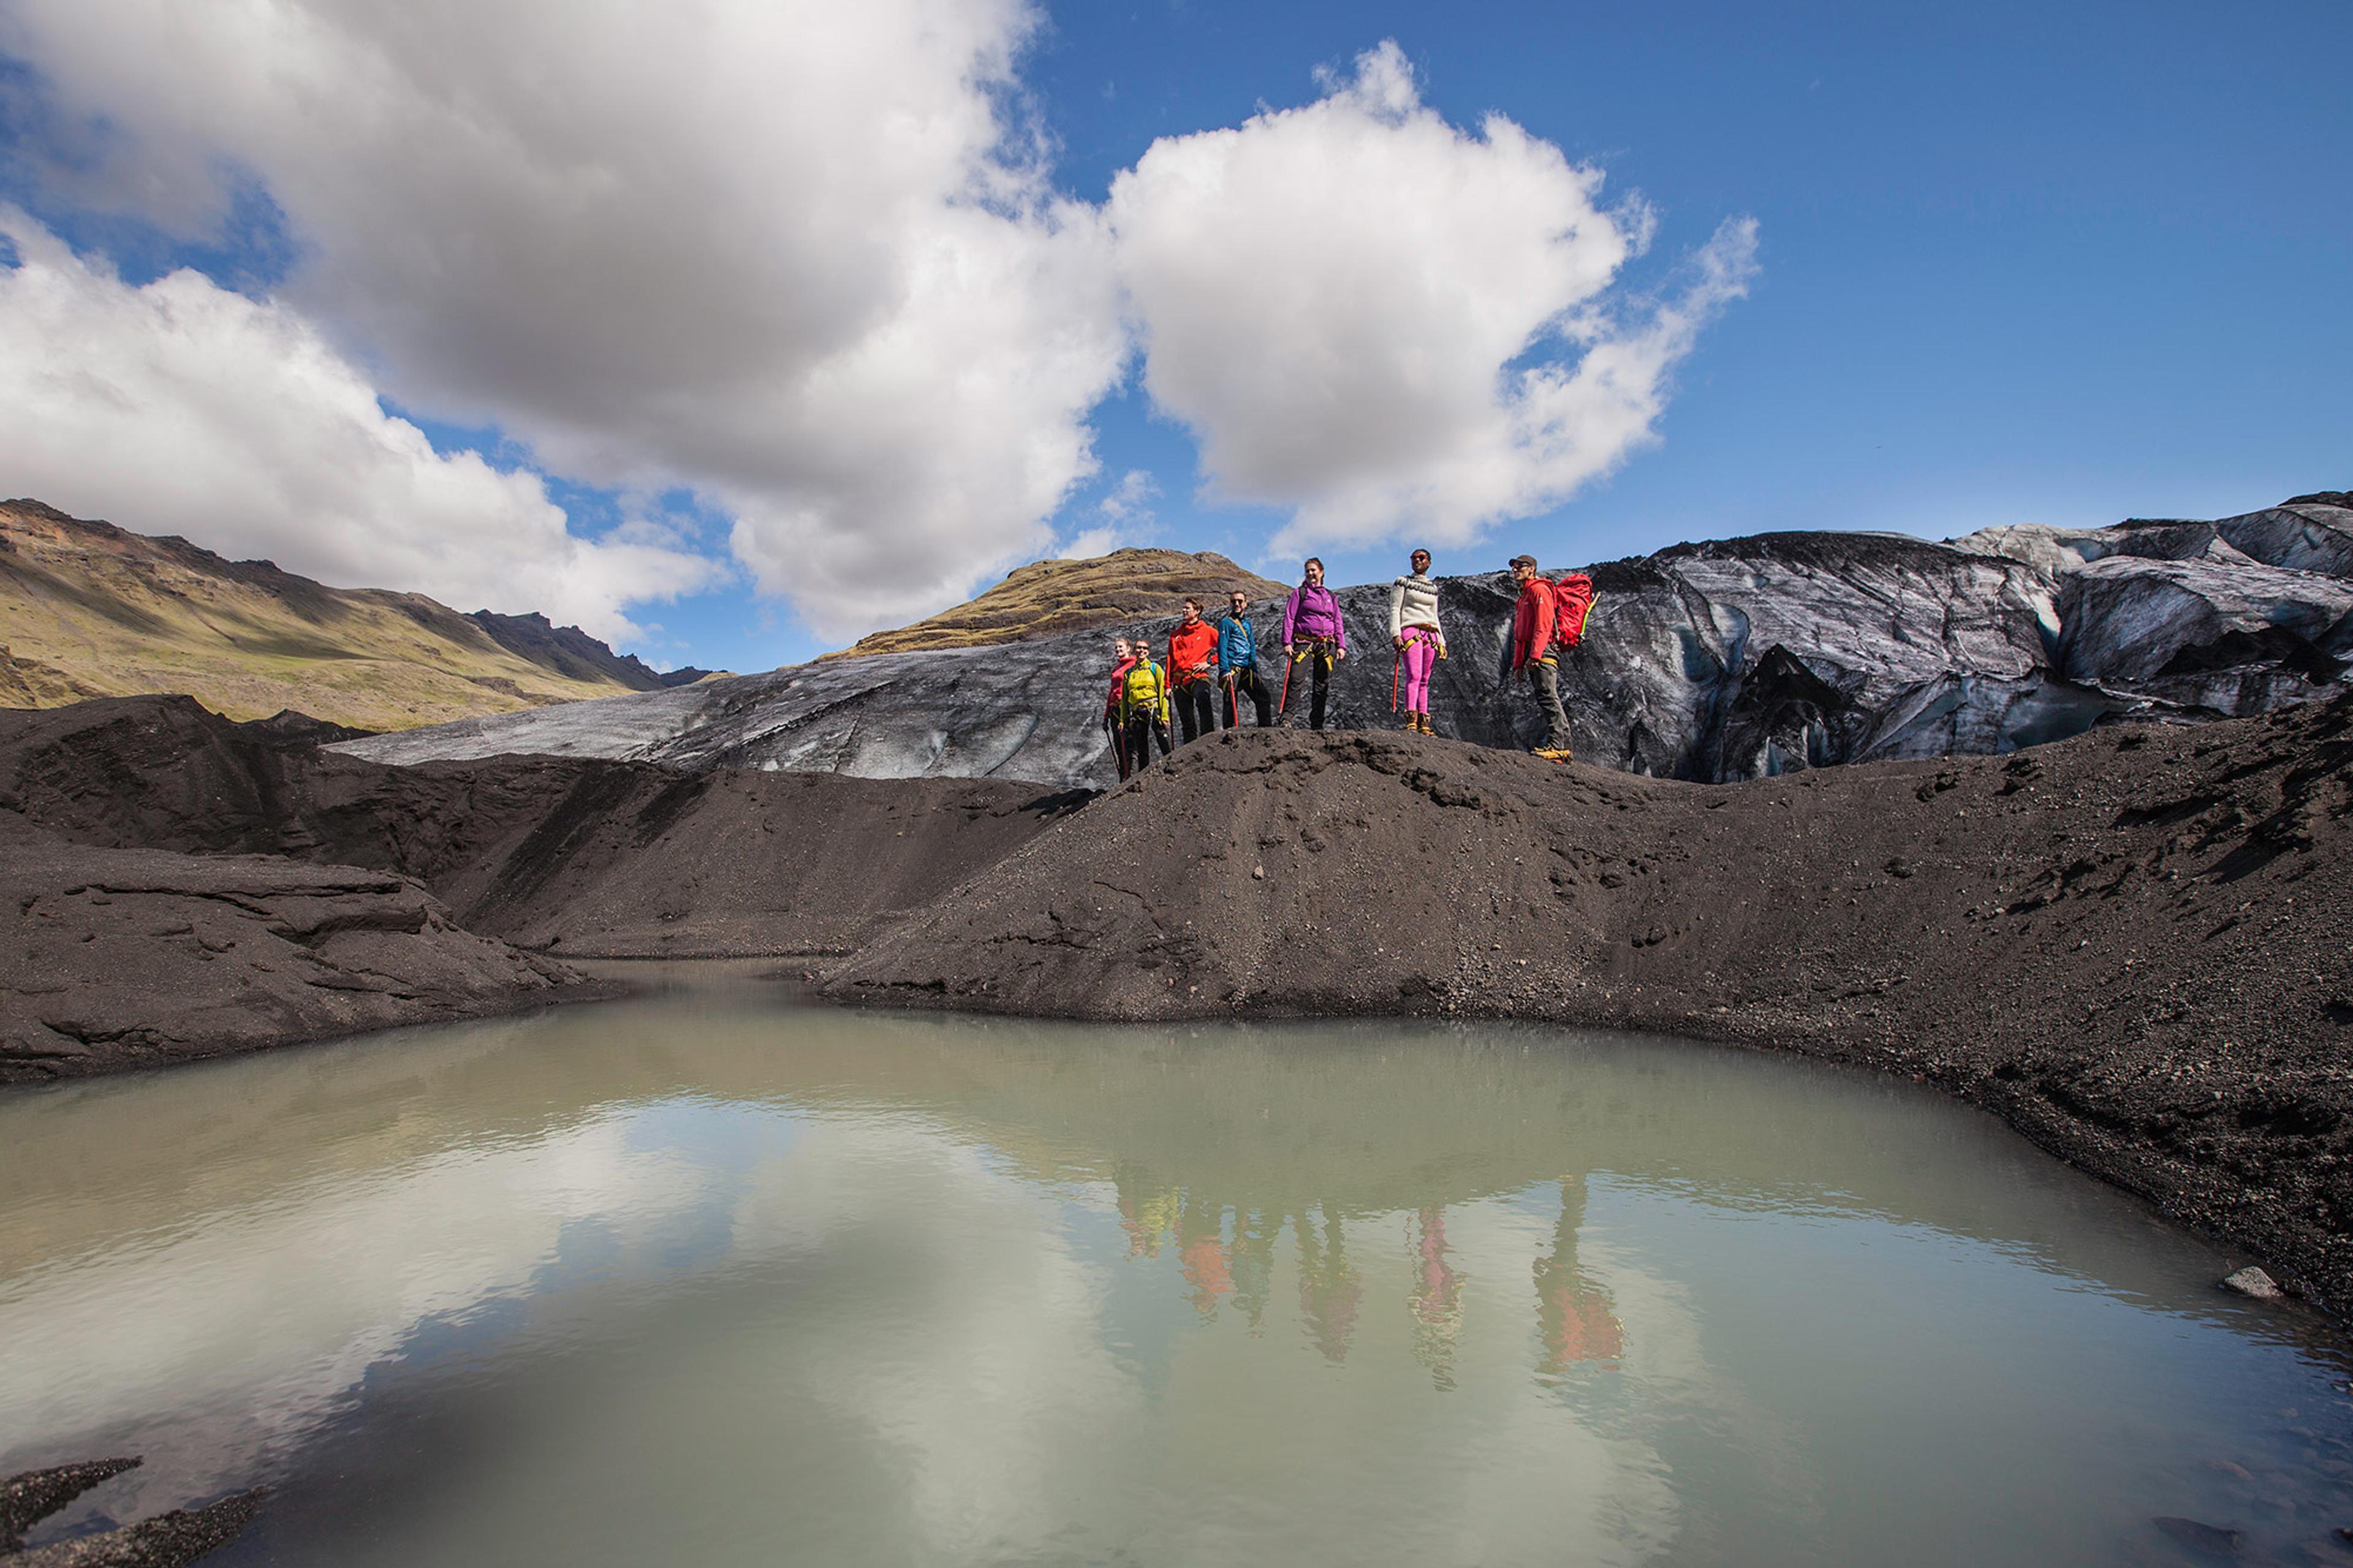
(1313, 630)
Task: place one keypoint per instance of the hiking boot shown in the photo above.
(1555, 753)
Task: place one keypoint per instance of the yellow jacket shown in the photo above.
(1145, 687)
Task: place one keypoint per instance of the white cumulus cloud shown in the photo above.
(1383, 323)
(805, 261)
(789, 253)
(181, 408)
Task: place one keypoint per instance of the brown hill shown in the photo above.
(1047, 598)
(87, 609)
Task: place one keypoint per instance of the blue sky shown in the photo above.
(2054, 264)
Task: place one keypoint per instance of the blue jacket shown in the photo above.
(1236, 643)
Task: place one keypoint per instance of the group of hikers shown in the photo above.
(1226, 1253)
(1211, 666)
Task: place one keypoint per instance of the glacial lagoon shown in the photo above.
(708, 1277)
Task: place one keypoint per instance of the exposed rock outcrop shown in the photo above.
(575, 654)
(1717, 661)
(2130, 945)
(167, 1541)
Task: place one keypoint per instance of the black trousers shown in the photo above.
(1142, 728)
(1248, 683)
(1197, 707)
(1318, 660)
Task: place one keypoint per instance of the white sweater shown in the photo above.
(1413, 602)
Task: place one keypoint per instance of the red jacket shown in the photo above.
(1118, 681)
(1192, 652)
(1531, 624)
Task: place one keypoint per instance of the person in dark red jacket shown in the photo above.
(1532, 654)
(1193, 671)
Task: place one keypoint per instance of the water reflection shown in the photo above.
(1581, 1322)
(697, 1280)
(1436, 1299)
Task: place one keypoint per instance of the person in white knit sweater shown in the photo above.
(1420, 640)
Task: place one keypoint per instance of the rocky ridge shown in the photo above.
(87, 609)
(1716, 661)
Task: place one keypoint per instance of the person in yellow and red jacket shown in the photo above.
(1193, 671)
(1532, 654)
(1141, 705)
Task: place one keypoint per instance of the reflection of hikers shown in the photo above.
(1192, 668)
(1532, 654)
(1238, 662)
(1573, 1313)
(1436, 1300)
(1201, 1252)
(1420, 640)
(1250, 1261)
(1313, 631)
(1329, 1287)
(1124, 660)
(1148, 1210)
(1143, 707)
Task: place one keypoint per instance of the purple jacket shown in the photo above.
(1313, 612)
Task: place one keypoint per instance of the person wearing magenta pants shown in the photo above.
(1420, 640)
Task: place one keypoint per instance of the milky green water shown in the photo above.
(711, 1279)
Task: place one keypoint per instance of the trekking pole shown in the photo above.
(1396, 665)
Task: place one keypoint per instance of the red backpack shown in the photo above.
(1572, 601)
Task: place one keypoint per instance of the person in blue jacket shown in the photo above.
(1238, 659)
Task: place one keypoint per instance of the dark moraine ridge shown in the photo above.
(315, 894)
(2131, 945)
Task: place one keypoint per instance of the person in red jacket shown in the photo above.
(1193, 671)
(1532, 654)
(1122, 660)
